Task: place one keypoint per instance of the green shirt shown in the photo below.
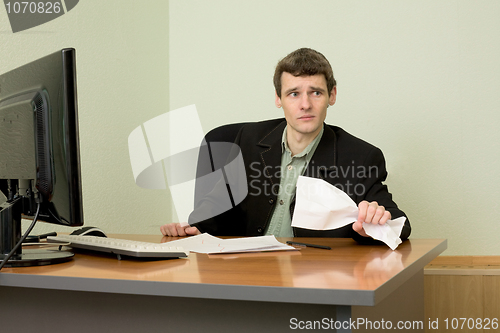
(291, 168)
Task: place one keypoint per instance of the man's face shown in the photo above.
(304, 100)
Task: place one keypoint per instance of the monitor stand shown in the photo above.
(41, 257)
(10, 234)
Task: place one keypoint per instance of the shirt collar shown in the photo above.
(311, 147)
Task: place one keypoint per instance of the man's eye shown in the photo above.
(317, 93)
(294, 94)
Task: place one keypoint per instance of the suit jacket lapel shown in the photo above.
(270, 154)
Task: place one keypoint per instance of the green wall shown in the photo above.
(122, 71)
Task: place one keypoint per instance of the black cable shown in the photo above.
(6, 259)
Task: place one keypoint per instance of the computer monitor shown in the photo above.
(39, 152)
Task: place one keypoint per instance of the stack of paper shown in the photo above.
(209, 244)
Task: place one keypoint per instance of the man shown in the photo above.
(301, 144)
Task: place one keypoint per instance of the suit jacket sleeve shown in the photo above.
(375, 190)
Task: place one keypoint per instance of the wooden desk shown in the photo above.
(263, 292)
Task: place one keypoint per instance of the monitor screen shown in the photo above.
(39, 143)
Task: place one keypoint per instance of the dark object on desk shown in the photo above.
(309, 245)
(39, 150)
(38, 238)
(89, 231)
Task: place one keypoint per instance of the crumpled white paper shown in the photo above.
(322, 206)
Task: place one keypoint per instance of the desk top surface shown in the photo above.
(367, 273)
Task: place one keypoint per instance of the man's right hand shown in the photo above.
(175, 229)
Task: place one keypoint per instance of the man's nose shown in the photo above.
(305, 102)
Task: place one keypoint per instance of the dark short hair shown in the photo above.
(304, 62)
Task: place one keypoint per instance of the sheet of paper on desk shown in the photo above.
(322, 206)
(206, 243)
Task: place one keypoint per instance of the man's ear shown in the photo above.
(277, 100)
(333, 96)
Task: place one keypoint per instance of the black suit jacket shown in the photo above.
(351, 164)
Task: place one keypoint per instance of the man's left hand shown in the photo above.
(370, 212)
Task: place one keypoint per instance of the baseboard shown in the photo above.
(464, 265)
